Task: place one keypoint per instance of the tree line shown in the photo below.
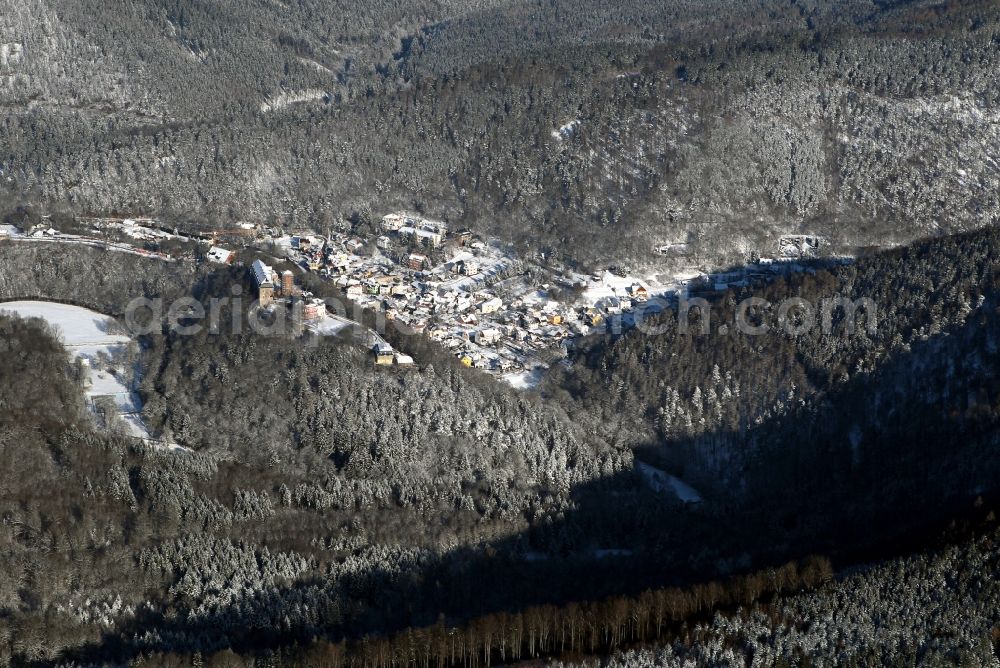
(585, 628)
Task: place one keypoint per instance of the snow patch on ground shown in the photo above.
(10, 54)
(329, 326)
(78, 327)
(612, 285)
(292, 97)
(319, 67)
(661, 481)
(525, 380)
(567, 130)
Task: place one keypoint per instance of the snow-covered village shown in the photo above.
(495, 311)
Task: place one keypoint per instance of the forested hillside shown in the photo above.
(691, 489)
(594, 129)
(849, 421)
(937, 608)
(319, 499)
(315, 498)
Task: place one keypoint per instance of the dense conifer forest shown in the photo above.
(319, 501)
(317, 511)
(592, 129)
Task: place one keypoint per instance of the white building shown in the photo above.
(487, 337)
(394, 221)
(219, 255)
(491, 305)
(425, 237)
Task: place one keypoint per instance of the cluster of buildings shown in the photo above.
(473, 297)
(470, 296)
(273, 289)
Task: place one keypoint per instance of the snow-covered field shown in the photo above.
(78, 327)
(86, 335)
(289, 98)
(566, 130)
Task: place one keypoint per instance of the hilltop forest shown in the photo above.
(590, 130)
(680, 495)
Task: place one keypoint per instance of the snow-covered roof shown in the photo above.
(420, 232)
(217, 254)
(262, 273)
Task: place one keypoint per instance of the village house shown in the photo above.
(463, 236)
(491, 306)
(219, 255)
(340, 264)
(383, 353)
(593, 317)
(435, 226)
(639, 291)
(422, 236)
(487, 337)
(385, 284)
(612, 305)
(394, 221)
(417, 262)
(312, 309)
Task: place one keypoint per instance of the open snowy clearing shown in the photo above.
(611, 285)
(78, 327)
(525, 380)
(86, 335)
